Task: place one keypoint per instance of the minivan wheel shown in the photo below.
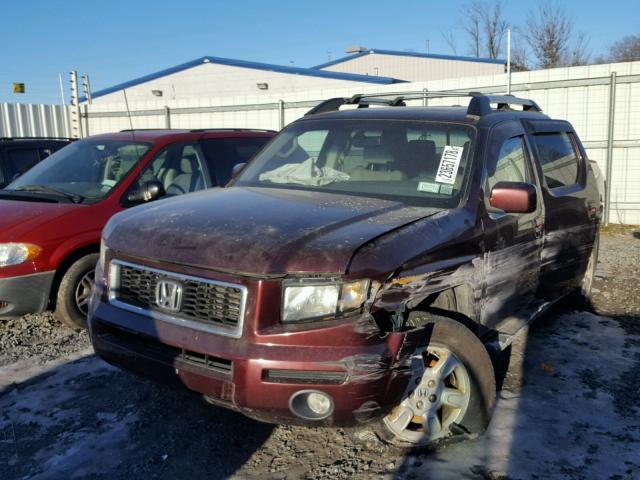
(74, 291)
(452, 389)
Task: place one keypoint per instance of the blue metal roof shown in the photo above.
(411, 54)
(312, 72)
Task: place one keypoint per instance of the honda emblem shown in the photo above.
(169, 295)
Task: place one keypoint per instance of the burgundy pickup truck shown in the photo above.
(358, 270)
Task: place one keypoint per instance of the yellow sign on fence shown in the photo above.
(18, 88)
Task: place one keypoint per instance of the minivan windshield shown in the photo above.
(416, 162)
(84, 171)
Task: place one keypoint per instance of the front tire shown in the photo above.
(452, 389)
(74, 290)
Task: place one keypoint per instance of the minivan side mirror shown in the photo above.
(237, 168)
(151, 190)
(514, 197)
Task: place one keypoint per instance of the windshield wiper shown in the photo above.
(74, 197)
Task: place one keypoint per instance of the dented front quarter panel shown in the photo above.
(428, 256)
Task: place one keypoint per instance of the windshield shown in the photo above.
(86, 171)
(419, 163)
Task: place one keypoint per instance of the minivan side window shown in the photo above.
(179, 167)
(511, 165)
(558, 158)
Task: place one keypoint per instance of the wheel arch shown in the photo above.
(64, 265)
(454, 302)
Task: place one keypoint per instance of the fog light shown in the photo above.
(311, 404)
(319, 403)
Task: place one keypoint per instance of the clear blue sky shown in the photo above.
(114, 40)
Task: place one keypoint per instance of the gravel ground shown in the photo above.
(568, 409)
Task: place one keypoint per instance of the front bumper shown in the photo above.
(25, 294)
(259, 378)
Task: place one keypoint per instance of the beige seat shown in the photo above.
(190, 178)
(380, 164)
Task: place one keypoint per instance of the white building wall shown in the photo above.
(214, 80)
(415, 69)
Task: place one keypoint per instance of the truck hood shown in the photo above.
(18, 217)
(263, 231)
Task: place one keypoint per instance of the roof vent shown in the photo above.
(356, 49)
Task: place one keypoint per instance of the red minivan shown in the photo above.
(51, 217)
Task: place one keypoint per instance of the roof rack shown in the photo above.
(479, 105)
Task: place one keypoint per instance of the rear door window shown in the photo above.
(558, 158)
(222, 154)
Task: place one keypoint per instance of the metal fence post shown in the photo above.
(281, 114)
(167, 117)
(608, 185)
(76, 127)
(85, 114)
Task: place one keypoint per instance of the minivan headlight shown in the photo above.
(308, 301)
(17, 253)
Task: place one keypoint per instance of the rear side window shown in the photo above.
(223, 154)
(558, 158)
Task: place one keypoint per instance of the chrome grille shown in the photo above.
(208, 302)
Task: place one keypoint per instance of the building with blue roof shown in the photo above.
(412, 66)
(209, 77)
(215, 77)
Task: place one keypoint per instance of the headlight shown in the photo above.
(17, 253)
(303, 302)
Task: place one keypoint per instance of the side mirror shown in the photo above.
(514, 197)
(237, 168)
(150, 191)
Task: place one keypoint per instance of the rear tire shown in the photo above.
(74, 290)
(452, 390)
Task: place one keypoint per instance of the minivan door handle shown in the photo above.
(538, 228)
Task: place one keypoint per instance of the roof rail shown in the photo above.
(479, 105)
(144, 129)
(232, 129)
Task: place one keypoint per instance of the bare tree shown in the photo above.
(485, 27)
(473, 26)
(548, 32)
(579, 51)
(495, 27)
(450, 40)
(625, 50)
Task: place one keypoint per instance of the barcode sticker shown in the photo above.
(449, 163)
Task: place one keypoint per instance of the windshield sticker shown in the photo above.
(449, 164)
(446, 189)
(428, 187)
